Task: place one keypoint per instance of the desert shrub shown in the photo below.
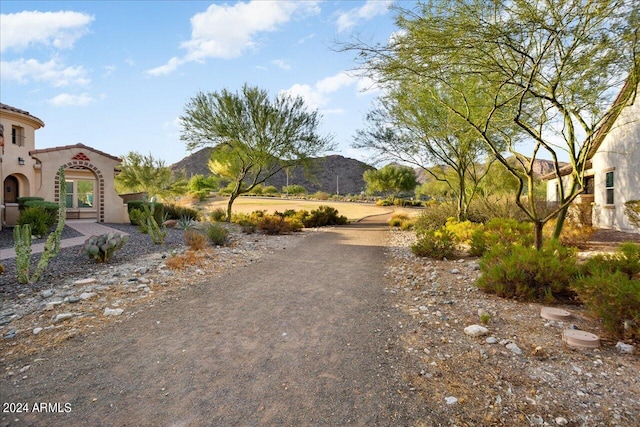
(24, 199)
(273, 224)
(500, 231)
(462, 230)
(189, 258)
(194, 240)
(435, 216)
(626, 260)
(38, 218)
(612, 296)
(138, 218)
(256, 191)
(217, 215)
(50, 208)
(515, 271)
(407, 224)
(397, 219)
(186, 223)
(217, 234)
(173, 211)
(437, 244)
(245, 221)
(294, 189)
(384, 202)
(269, 190)
(321, 195)
(324, 216)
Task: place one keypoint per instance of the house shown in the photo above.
(612, 176)
(27, 171)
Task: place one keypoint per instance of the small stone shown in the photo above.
(625, 348)
(455, 271)
(73, 299)
(113, 311)
(140, 270)
(37, 330)
(63, 316)
(170, 223)
(450, 400)
(491, 340)
(46, 293)
(83, 282)
(476, 330)
(423, 308)
(561, 421)
(11, 334)
(200, 272)
(87, 295)
(514, 348)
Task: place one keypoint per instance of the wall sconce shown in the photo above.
(20, 161)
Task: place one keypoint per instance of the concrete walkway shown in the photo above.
(87, 228)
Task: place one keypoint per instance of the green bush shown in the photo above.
(437, 244)
(384, 202)
(273, 224)
(324, 216)
(217, 215)
(626, 260)
(500, 231)
(50, 208)
(294, 189)
(256, 191)
(615, 298)
(176, 212)
(435, 216)
(462, 230)
(217, 234)
(24, 199)
(269, 190)
(38, 218)
(138, 218)
(524, 273)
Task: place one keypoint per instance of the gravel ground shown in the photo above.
(72, 261)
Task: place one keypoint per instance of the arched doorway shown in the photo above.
(82, 188)
(11, 188)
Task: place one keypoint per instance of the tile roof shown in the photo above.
(19, 111)
(68, 147)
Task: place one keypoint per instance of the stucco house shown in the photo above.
(613, 174)
(27, 171)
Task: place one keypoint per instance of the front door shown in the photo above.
(11, 189)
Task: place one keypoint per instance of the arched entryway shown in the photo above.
(84, 186)
(11, 189)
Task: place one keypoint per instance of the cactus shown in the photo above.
(22, 245)
(22, 241)
(156, 232)
(101, 248)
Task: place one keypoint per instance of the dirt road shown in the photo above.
(304, 337)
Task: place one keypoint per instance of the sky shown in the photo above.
(116, 75)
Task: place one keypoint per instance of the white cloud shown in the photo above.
(59, 29)
(108, 70)
(226, 32)
(52, 72)
(371, 9)
(317, 96)
(281, 63)
(69, 100)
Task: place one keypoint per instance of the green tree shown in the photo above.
(201, 186)
(254, 137)
(407, 125)
(551, 67)
(143, 173)
(390, 179)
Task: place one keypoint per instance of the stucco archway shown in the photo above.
(98, 198)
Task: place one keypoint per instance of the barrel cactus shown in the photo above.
(102, 247)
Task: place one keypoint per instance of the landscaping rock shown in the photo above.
(625, 348)
(63, 316)
(514, 348)
(113, 311)
(476, 330)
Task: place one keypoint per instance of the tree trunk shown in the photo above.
(232, 198)
(562, 215)
(537, 229)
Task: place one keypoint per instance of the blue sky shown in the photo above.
(116, 75)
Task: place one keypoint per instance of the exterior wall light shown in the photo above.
(20, 161)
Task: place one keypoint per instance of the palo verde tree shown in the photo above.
(254, 137)
(407, 125)
(144, 173)
(551, 67)
(391, 179)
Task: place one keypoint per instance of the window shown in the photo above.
(609, 187)
(17, 136)
(80, 193)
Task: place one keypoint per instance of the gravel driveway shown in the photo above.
(306, 336)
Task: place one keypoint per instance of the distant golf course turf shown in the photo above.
(353, 211)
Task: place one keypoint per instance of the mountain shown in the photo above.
(330, 174)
